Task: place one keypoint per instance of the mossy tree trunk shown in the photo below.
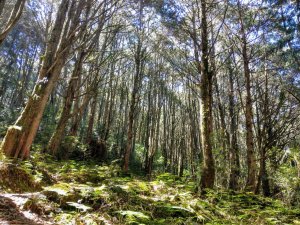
(202, 55)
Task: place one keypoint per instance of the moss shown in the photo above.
(60, 188)
(168, 178)
(166, 210)
(65, 218)
(133, 217)
(14, 178)
(112, 199)
(40, 206)
(140, 187)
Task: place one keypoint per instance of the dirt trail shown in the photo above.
(12, 213)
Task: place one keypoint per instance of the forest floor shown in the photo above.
(44, 191)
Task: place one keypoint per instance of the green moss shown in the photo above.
(166, 210)
(15, 178)
(60, 188)
(112, 199)
(133, 217)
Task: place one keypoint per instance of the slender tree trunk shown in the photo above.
(208, 168)
(172, 148)
(251, 178)
(76, 110)
(147, 128)
(59, 132)
(233, 149)
(138, 57)
(131, 117)
(153, 137)
(251, 162)
(111, 102)
(89, 133)
(264, 142)
(13, 19)
(164, 139)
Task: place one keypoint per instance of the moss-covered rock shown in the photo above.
(62, 194)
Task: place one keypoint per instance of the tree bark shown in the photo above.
(131, 117)
(208, 168)
(138, 57)
(93, 107)
(251, 162)
(58, 134)
(233, 148)
(13, 19)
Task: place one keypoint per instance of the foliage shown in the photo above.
(286, 178)
(90, 192)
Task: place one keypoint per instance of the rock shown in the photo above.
(61, 195)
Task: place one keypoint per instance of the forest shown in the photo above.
(149, 112)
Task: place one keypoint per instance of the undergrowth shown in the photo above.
(87, 193)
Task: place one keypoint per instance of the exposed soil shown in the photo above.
(12, 212)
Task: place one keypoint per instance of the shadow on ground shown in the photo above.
(10, 214)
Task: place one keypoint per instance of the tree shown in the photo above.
(13, 18)
(208, 169)
(251, 161)
(139, 56)
(19, 138)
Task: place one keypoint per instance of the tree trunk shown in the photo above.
(233, 148)
(131, 117)
(13, 19)
(138, 57)
(251, 162)
(264, 136)
(208, 168)
(89, 132)
(59, 132)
